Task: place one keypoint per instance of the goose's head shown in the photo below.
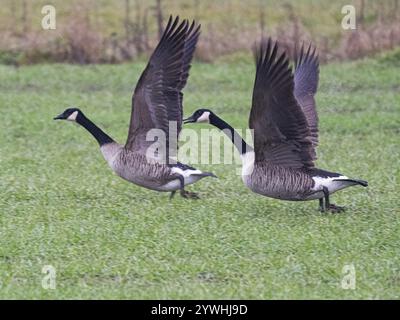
(70, 114)
(200, 115)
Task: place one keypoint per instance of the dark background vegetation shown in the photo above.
(106, 31)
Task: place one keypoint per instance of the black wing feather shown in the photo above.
(306, 76)
(281, 134)
(157, 99)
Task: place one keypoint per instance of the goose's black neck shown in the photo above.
(101, 137)
(232, 134)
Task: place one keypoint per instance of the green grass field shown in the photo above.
(61, 205)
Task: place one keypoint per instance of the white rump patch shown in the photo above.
(188, 177)
(329, 183)
(185, 173)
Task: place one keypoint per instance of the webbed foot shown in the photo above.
(335, 209)
(189, 195)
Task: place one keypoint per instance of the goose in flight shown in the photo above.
(146, 159)
(285, 131)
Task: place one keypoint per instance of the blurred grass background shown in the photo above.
(108, 31)
(61, 205)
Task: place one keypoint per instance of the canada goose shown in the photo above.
(285, 123)
(156, 103)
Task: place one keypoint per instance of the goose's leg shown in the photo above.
(326, 196)
(321, 200)
(321, 205)
(186, 194)
(330, 206)
(335, 209)
(172, 194)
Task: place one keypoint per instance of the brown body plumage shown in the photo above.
(279, 182)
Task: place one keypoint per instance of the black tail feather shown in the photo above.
(205, 174)
(356, 181)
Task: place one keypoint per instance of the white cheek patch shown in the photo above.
(72, 116)
(205, 117)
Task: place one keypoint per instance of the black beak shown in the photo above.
(189, 120)
(59, 117)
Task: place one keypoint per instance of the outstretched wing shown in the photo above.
(157, 99)
(281, 133)
(306, 76)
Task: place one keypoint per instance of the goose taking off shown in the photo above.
(285, 123)
(156, 104)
